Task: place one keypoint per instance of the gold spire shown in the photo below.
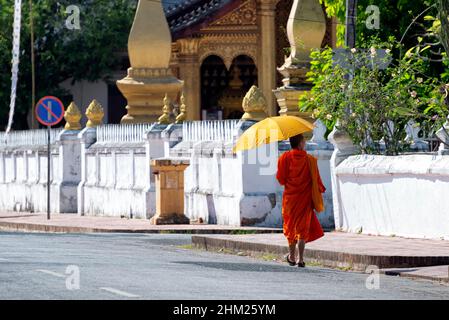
(182, 116)
(255, 105)
(95, 114)
(72, 116)
(165, 118)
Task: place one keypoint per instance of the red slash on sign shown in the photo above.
(49, 111)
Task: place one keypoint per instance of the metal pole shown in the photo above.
(351, 13)
(48, 171)
(34, 124)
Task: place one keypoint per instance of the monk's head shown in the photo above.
(298, 142)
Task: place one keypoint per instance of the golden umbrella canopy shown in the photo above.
(271, 130)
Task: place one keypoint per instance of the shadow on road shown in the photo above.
(252, 267)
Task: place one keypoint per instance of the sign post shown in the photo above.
(49, 112)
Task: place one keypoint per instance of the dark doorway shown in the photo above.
(243, 75)
(214, 80)
(116, 104)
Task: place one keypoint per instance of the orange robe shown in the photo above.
(300, 221)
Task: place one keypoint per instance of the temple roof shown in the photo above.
(185, 14)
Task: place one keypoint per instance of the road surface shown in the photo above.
(138, 266)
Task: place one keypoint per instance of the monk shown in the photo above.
(298, 173)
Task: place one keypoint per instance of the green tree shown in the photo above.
(374, 105)
(90, 53)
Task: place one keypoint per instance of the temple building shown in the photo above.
(220, 48)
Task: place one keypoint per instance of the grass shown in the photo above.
(237, 232)
(187, 247)
(265, 256)
(346, 268)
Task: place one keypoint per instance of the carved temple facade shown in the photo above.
(220, 48)
(227, 46)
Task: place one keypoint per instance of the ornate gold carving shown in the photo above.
(230, 46)
(255, 105)
(243, 15)
(188, 46)
(72, 116)
(165, 118)
(95, 114)
(182, 116)
(137, 73)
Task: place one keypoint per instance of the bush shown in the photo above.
(373, 104)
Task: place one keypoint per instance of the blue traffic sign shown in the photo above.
(49, 111)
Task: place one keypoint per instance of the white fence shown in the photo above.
(122, 133)
(220, 130)
(28, 138)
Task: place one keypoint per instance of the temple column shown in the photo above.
(266, 11)
(189, 72)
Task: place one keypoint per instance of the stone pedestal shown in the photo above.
(145, 90)
(288, 100)
(169, 176)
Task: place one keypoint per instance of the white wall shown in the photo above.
(242, 189)
(117, 183)
(23, 180)
(402, 196)
(116, 175)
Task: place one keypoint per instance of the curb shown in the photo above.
(333, 259)
(414, 276)
(31, 227)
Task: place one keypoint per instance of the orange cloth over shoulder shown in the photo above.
(294, 173)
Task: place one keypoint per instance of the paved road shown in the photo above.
(119, 266)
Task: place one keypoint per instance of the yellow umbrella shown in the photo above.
(271, 130)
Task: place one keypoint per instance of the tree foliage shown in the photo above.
(86, 54)
(373, 105)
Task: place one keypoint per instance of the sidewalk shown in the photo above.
(348, 251)
(72, 223)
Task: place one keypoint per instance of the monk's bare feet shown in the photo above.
(291, 262)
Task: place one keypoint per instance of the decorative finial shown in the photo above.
(95, 114)
(255, 105)
(165, 118)
(182, 116)
(72, 116)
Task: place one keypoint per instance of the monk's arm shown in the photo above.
(281, 175)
